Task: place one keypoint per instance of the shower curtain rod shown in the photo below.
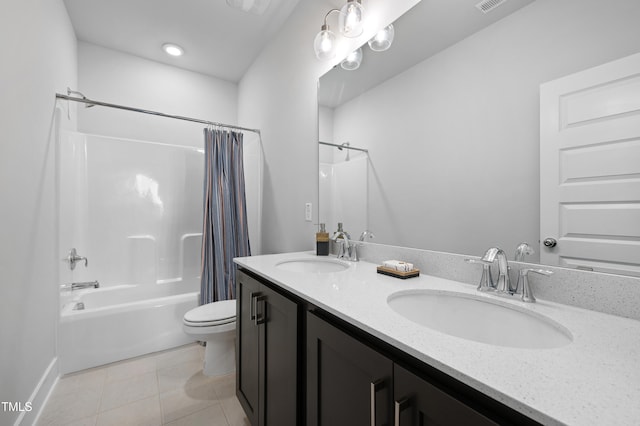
(344, 146)
(91, 102)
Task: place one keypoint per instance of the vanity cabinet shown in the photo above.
(267, 353)
(417, 402)
(348, 383)
(299, 365)
(351, 383)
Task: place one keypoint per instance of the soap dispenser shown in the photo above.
(322, 241)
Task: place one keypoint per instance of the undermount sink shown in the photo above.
(314, 265)
(480, 319)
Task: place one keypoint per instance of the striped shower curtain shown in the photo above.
(225, 234)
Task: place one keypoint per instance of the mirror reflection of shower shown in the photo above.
(343, 193)
(342, 146)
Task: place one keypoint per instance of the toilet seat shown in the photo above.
(211, 314)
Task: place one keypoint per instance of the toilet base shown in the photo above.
(220, 355)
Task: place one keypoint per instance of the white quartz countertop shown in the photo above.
(593, 380)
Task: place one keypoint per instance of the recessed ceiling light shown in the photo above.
(172, 49)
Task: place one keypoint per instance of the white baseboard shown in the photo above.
(40, 395)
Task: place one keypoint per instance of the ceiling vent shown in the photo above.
(486, 6)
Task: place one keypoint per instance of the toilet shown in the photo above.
(215, 324)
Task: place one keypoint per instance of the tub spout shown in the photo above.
(81, 285)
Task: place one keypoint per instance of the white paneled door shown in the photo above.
(590, 169)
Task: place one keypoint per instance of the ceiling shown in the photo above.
(428, 28)
(218, 40)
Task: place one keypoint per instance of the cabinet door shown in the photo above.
(419, 403)
(267, 354)
(279, 340)
(247, 349)
(348, 383)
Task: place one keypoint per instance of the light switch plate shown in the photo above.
(307, 212)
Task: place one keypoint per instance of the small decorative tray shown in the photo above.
(398, 274)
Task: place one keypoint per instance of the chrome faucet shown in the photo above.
(366, 234)
(81, 285)
(522, 250)
(346, 248)
(503, 284)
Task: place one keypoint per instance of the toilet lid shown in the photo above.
(221, 312)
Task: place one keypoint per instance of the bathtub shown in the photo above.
(100, 326)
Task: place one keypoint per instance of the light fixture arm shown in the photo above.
(324, 25)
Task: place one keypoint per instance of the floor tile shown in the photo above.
(181, 375)
(129, 368)
(126, 391)
(167, 387)
(225, 386)
(182, 401)
(212, 416)
(87, 421)
(66, 408)
(193, 352)
(92, 379)
(234, 412)
(145, 412)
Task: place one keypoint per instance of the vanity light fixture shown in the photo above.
(351, 19)
(353, 60)
(383, 39)
(172, 49)
(256, 7)
(325, 42)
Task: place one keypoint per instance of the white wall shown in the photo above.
(278, 94)
(463, 139)
(39, 59)
(116, 77)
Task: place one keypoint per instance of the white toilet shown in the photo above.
(215, 324)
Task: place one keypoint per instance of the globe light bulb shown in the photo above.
(383, 39)
(324, 44)
(351, 19)
(352, 61)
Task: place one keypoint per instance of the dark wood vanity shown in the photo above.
(300, 365)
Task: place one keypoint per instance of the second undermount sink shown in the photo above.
(313, 265)
(480, 319)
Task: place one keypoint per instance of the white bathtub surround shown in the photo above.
(121, 322)
(592, 380)
(132, 207)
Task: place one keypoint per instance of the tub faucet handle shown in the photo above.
(74, 258)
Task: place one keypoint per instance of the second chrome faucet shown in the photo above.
(503, 285)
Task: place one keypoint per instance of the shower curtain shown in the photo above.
(225, 232)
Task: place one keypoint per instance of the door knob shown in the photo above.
(550, 242)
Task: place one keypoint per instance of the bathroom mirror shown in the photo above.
(449, 116)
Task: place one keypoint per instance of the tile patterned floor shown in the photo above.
(165, 388)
